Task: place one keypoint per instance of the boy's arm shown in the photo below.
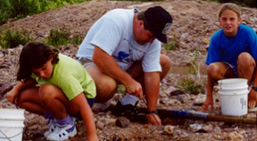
(209, 98)
(87, 116)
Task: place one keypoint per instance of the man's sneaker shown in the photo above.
(51, 125)
(129, 111)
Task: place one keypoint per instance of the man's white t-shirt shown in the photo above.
(113, 33)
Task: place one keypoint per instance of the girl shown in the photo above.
(54, 86)
(232, 53)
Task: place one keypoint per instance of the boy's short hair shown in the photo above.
(230, 6)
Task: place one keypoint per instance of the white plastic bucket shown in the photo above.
(233, 84)
(233, 95)
(11, 124)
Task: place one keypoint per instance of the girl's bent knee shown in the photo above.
(48, 91)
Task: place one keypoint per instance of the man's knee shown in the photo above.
(165, 61)
(105, 90)
(165, 64)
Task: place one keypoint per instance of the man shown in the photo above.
(120, 48)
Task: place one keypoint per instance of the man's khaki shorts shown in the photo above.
(86, 62)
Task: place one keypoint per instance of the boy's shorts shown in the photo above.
(85, 62)
(234, 68)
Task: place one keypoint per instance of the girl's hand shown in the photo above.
(92, 137)
(12, 95)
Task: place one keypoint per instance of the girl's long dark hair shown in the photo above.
(34, 55)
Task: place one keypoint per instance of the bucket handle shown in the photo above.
(9, 138)
(220, 85)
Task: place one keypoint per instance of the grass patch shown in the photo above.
(193, 83)
(16, 9)
(13, 38)
(62, 36)
(172, 45)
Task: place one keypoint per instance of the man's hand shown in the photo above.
(206, 104)
(154, 119)
(135, 88)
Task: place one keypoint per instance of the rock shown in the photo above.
(1, 54)
(101, 107)
(182, 98)
(5, 88)
(183, 13)
(195, 127)
(5, 65)
(110, 121)
(234, 136)
(199, 100)
(169, 102)
(208, 128)
(176, 92)
(205, 41)
(100, 125)
(122, 122)
(169, 129)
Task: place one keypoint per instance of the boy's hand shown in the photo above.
(206, 104)
(252, 99)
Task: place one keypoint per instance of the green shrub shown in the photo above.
(12, 39)
(4, 5)
(16, 9)
(172, 45)
(188, 84)
(193, 83)
(62, 36)
(76, 39)
(23, 8)
(58, 37)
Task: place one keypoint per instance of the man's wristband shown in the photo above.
(254, 88)
(153, 112)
